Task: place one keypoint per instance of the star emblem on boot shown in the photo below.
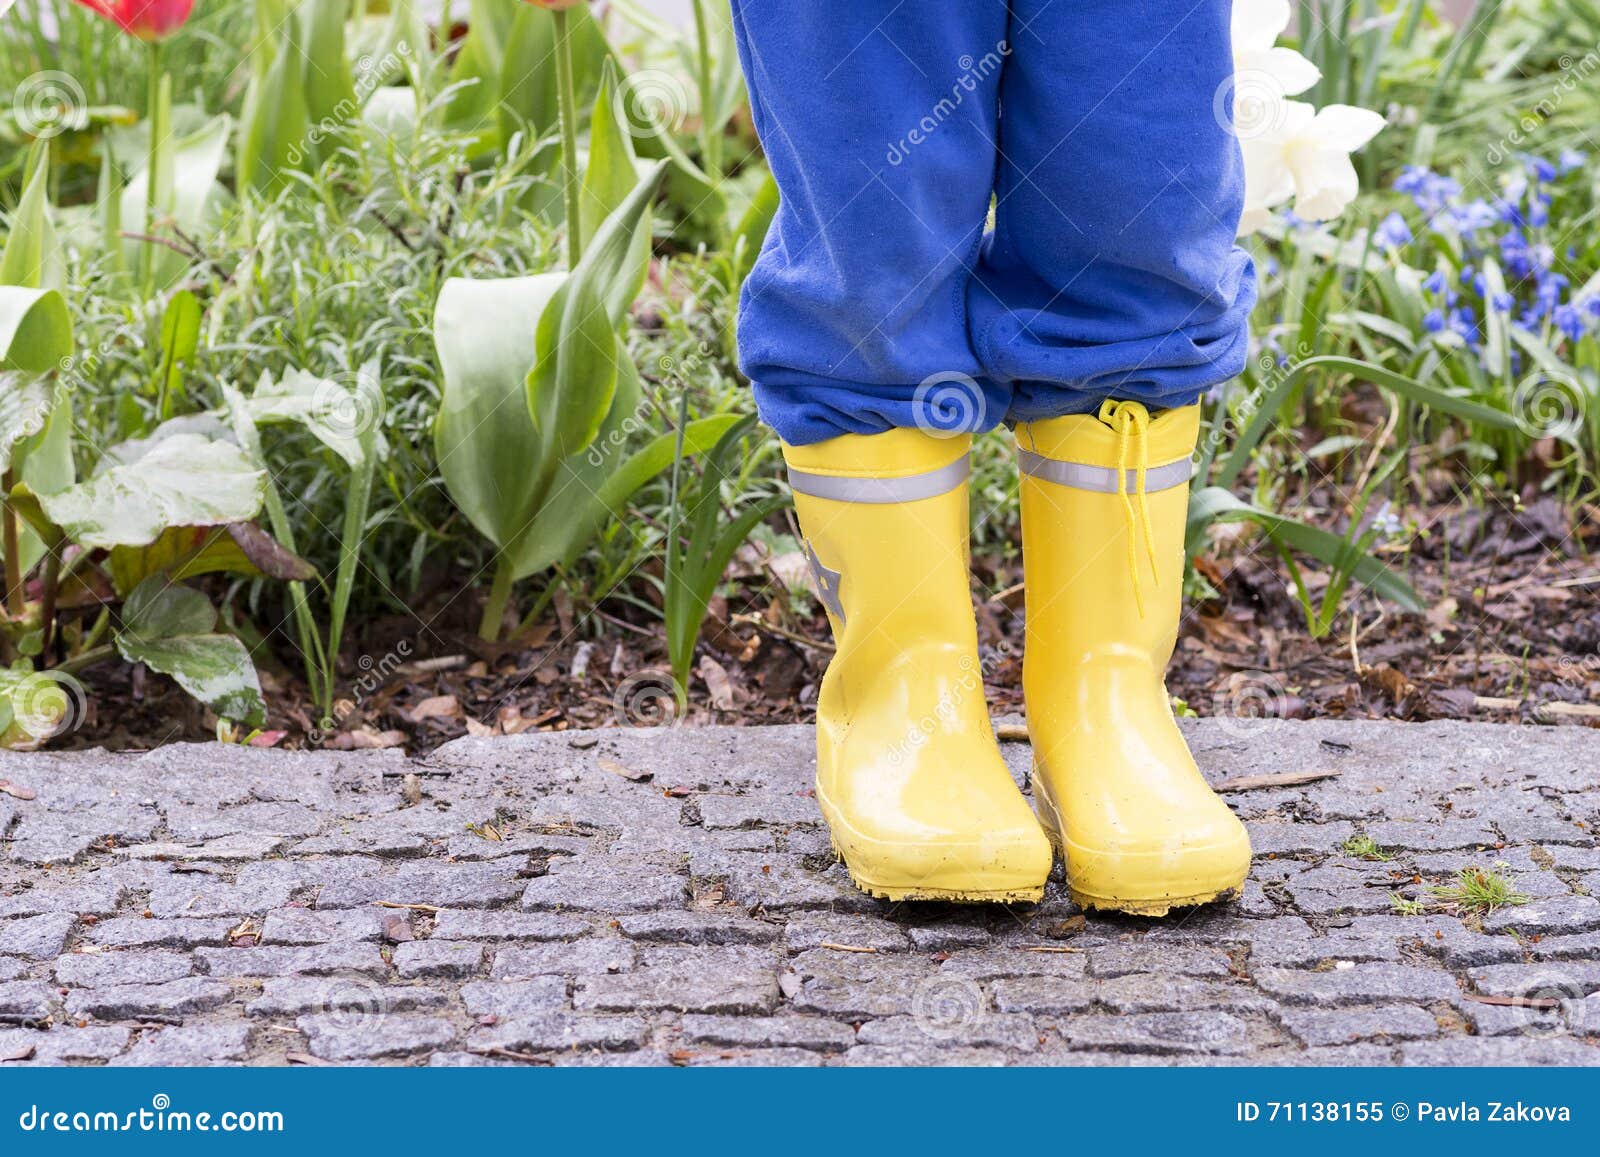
(827, 584)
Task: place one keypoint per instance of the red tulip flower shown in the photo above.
(149, 20)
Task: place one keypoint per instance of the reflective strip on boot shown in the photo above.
(881, 491)
(1102, 479)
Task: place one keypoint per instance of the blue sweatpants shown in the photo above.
(1100, 128)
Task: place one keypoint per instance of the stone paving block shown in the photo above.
(858, 984)
(710, 928)
(592, 885)
(440, 884)
(143, 932)
(135, 1001)
(943, 1056)
(83, 899)
(37, 937)
(1432, 836)
(754, 1059)
(560, 1032)
(745, 811)
(726, 980)
(1500, 1050)
(715, 907)
(1318, 1028)
(1581, 946)
(1547, 917)
(1006, 963)
(1167, 959)
(1499, 1020)
(1291, 839)
(514, 999)
(273, 960)
(99, 969)
(438, 958)
(189, 1045)
(473, 924)
(1562, 979)
(64, 1044)
(777, 883)
(339, 1037)
(967, 1027)
(808, 930)
(346, 995)
(1045, 995)
(23, 1001)
(1359, 984)
(1159, 1032)
(1576, 859)
(584, 957)
(801, 1032)
(185, 898)
(950, 937)
(306, 926)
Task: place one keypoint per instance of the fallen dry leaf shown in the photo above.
(626, 772)
(433, 707)
(1276, 779)
(17, 791)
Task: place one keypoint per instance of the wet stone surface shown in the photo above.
(212, 905)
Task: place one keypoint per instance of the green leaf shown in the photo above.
(181, 480)
(1215, 504)
(343, 418)
(25, 404)
(183, 552)
(31, 257)
(180, 338)
(571, 385)
(1278, 393)
(196, 160)
(35, 329)
(610, 175)
(170, 629)
(330, 91)
(484, 437)
(274, 120)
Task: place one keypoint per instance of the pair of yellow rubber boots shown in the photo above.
(909, 775)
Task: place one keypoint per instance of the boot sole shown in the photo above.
(1159, 905)
(896, 893)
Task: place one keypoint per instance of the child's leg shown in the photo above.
(879, 123)
(1114, 273)
(1112, 270)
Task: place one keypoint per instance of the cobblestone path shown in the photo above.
(667, 897)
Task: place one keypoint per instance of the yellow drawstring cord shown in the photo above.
(1131, 421)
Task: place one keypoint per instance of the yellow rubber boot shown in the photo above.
(1104, 500)
(909, 776)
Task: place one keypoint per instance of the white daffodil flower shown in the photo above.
(1307, 158)
(1258, 60)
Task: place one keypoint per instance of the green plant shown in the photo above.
(1479, 892)
(1363, 847)
(153, 511)
(699, 545)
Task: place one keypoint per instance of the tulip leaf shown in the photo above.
(484, 435)
(142, 489)
(35, 329)
(571, 384)
(31, 258)
(171, 629)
